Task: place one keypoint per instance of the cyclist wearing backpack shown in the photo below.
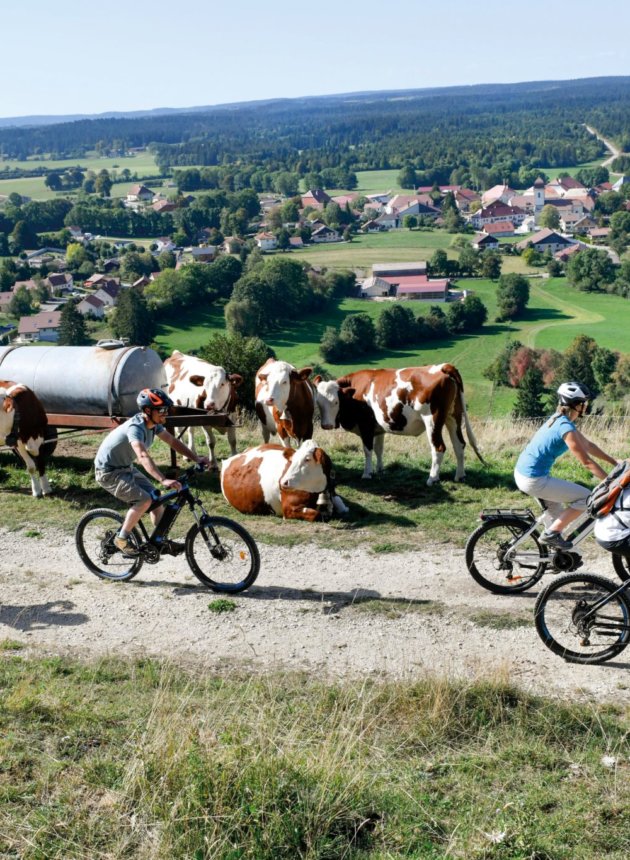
(130, 441)
(565, 499)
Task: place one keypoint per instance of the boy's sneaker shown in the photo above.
(125, 546)
(554, 540)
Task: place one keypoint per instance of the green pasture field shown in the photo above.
(555, 316)
(392, 512)
(393, 246)
(140, 758)
(143, 163)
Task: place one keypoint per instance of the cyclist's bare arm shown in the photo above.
(581, 448)
(151, 468)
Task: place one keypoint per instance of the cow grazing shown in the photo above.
(285, 402)
(294, 484)
(24, 428)
(197, 384)
(406, 402)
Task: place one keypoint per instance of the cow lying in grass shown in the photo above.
(24, 428)
(296, 484)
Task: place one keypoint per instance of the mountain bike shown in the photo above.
(584, 618)
(504, 553)
(220, 552)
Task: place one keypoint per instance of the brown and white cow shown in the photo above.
(24, 428)
(195, 383)
(285, 401)
(406, 402)
(294, 484)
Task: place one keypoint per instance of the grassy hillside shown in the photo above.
(555, 316)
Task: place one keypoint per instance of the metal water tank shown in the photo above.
(84, 380)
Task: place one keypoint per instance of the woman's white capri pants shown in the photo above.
(558, 494)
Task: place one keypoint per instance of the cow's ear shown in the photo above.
(236, 378)
(263, 377)
(304, 373)
(316, 379)
(347, 392)
(197, 380)
(343, 382)
(7, 404)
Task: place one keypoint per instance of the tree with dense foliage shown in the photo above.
(438, 264)
(578, 362)
(53, 181)
(238, 354)
(549, 217)
(407, 177)
(467, 316)
(72, 326)
(590, 270)
(21, 304)
(498, 371)
(132, 318)
(529, 400)
(490, 265)
(396, 326)
(512, 297)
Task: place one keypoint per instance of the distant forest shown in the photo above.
(456, 134)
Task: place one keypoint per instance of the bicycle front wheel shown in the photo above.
(222, 554)
(94, 540)
(621, 563)
(570, 625)
(493, 565)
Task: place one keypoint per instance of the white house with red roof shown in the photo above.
(266, 241)
(497, 212)
(316, 198)
(500, 193)
(91, 306)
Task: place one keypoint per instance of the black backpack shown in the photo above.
(603, 498)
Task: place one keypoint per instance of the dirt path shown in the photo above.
(609, 145)
(305, 611)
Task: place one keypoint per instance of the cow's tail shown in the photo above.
(456, 376)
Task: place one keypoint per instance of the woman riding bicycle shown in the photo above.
(565, 499)
(130, 441)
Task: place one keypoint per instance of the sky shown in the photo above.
(67, 57)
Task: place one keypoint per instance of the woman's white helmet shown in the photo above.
(573, 393)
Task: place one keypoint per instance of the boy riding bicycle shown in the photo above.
(116, 473)
(565, 499)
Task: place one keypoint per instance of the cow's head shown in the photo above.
(275, 383)
(214, 387)
(329, 396)
(309, 469)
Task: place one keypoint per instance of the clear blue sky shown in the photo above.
(64, 56)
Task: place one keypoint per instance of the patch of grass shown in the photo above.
(32, 533)
(221, 604)
(138, 759)
(11, 645)
(391, 607)
(501, 620)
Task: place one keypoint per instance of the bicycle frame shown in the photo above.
(183, 497)
(581, 528)
(600, 603)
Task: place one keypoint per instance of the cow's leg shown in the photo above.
(285, 439)
(190, 439)
(436, 443)
(379, 444)
(458, 443)
(231, 437)
(36, 486)
(40, 462)
(210, 443)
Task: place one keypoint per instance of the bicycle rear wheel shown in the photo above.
(94, 538)
(565, 624)
(489, 565)
(222, 554)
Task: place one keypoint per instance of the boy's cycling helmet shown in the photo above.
(153, 398)
(572, 393)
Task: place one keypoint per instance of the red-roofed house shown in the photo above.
(91, 306)
(499, 229)
(315, 198)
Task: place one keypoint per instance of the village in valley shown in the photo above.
(498, 213)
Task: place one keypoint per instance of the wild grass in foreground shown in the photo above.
(140, 760)
(393, 512)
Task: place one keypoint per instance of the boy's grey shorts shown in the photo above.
(128, 485)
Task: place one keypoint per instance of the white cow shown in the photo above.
(197, 384)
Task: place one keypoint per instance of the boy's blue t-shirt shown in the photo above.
(545, 447)
(116, 452)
